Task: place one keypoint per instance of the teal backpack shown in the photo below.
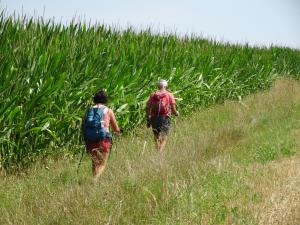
(93, 128)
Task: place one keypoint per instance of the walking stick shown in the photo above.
(145, 136)
(82, 154)
(145, 142)
(175, 126)
(111, 148)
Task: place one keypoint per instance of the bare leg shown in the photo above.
(163, 141)
(156, 140)
(160, 142)
(99, 160)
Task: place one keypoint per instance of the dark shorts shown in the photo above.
(160, 125)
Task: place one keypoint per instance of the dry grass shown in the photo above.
(235, 163)
(281, 203)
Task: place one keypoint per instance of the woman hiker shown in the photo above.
(160, 106)
(97, 137)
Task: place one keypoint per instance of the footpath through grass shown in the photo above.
(236, 163)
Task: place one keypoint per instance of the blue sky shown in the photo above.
(257, 22)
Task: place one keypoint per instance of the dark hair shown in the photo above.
(100, 97)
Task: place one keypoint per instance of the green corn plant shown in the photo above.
(49, 72)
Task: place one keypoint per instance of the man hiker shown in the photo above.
(96, 133)
(159, 108)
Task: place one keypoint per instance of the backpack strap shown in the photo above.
(159, 106)
(98, 111)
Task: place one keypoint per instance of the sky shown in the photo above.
(256, 22)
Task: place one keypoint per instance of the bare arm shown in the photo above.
(173, 105)
(173, 110)
(113, 121)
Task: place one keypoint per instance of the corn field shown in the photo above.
(50, 71)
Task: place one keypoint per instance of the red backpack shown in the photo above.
(160, 105)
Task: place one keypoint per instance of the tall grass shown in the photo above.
(242, 167)
(49, 72)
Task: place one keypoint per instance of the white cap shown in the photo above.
(162, 83)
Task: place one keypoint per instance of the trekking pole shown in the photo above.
(175, 126)
(111, 148)
(145, 142)
(82, 154)
(145, 135)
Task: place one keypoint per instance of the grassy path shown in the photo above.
(236, 163)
